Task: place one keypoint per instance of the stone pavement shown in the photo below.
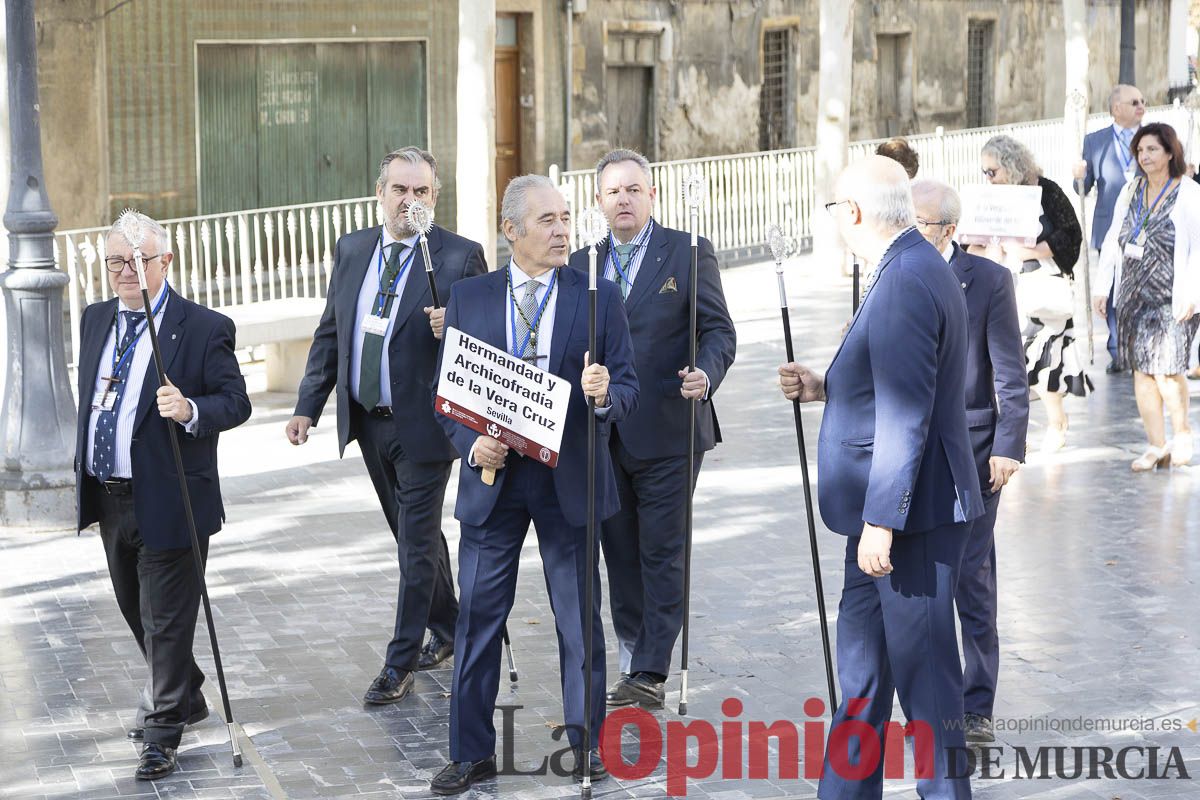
(1099, 602)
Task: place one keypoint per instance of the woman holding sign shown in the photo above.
(1051, 360)
(1154, 256)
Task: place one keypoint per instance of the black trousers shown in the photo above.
(644, 550)
(411, 495)
(159, 596)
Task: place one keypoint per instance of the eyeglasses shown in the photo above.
(1134, 103)
(117, 265)
(990, 173)
(829, 207)
(924, 223)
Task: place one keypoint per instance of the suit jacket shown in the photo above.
(997, 383)
(658, 323)
(1105, 172)
(894, 449)
(412, 350)
(477, 307)
(197, 350)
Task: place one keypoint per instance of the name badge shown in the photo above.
(375, 324)
(1134, 251)
(104, 401)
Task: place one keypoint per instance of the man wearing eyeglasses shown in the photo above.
(998, 418)
(126, 478)
(1107, 164)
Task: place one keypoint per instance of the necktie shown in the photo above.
(370, 361)
(104, 456)
(625, 255)
(525, 314)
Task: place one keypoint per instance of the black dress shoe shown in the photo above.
(598, 770)
(617, 696)
(457, 776)
(641, 688)
(392, 686)
(156, 762)
(138, 734)
(435, 651)
(978, 728)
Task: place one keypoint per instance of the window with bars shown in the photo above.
(980, 60)
(776, 104)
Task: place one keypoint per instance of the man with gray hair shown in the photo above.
(898, 479)
(537, 311)
(1107, 164)
(998, 416)
(126, 479)
(376, 346)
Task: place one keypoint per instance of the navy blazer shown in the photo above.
(412, 349)
(1104, 171)
(197, 350)
(659, 316)
(894, 449)
(997, 383)
(477, 307)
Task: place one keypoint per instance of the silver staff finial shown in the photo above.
(129, 223)
(777, 242)
(420, 217)
(1077, 100)
(592, 226)
(693, 191)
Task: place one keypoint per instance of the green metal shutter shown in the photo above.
(397, 98)
(342, 122)
(228, 111)
(287, 149)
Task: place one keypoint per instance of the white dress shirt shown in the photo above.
(545, 325)
(368, 296)
(139, 367)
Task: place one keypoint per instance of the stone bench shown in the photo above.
(285, 328)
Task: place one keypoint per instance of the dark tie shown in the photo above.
(527, 311)
(370, 360)
(104, 456)
(625, 255)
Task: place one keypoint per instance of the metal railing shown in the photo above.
(749, 191)
(226, 259)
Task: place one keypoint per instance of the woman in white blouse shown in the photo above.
(1151, 257)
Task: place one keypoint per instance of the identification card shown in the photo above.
(1134, 251)
(375, 324)
(104, 401)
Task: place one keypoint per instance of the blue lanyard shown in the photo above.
(119, 357)
(638, 243)
(1141, 220)
(381, 297)
(1123, 153)
(519, 347)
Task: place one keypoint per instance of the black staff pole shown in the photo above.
(132, 228)
(853, 299)
(693, 196)
(779, 250)
(420, 220)
(592, 226)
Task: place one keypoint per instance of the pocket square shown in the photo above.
(668, 286)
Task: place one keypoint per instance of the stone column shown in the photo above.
(37, 420)
(833, 122)
(1177, 55)
(476, 148)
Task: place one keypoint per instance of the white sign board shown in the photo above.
(1000, 213)
(497, 394)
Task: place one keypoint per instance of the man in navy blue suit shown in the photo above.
(537, 310)
(126, 478)
(376, 345)
(898, 478)
(644, 542)
(998, 417)
(1107, 164)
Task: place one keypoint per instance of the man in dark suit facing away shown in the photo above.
(375, 346)
(126, 477)
(898, 479)
(537, 310)
(644, 541)
(998, 418)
